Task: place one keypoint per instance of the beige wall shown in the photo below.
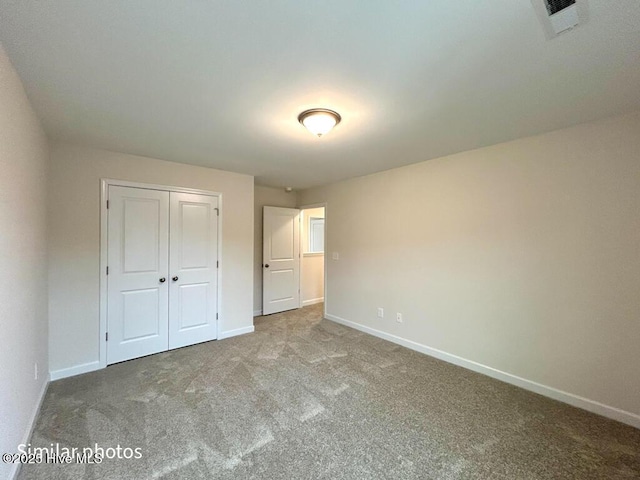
(271, 197)
(312, 271)
(74, 211)
(24, 158)
(523, 256)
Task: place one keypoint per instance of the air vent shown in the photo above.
(554, 6)
(559, 16)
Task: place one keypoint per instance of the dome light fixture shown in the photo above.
(319, 121)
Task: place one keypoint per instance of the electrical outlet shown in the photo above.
(35, 371)
(399, 317)
(380, 312)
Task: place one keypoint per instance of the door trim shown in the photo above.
(105, 183)
(326, 208)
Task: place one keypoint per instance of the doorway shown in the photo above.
(312, 247)
(293, 260)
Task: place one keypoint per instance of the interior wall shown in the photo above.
(312, 281)
(523, 257)
(74, 211)
(24, 156)
(271, 197)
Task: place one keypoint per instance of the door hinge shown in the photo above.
(217, 211)
(106, 337)
(107, 270)
(216, 316)
(217, 264)
(107, 204)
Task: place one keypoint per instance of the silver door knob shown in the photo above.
(162, 280)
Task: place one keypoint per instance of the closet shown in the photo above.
(162, 270)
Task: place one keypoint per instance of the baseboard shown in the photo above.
(560, 395)
(15, 469)
(257, 313)
(313, 301)
(236, 332)
(77, 370)
(92, 366)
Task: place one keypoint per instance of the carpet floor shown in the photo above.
(305, 398)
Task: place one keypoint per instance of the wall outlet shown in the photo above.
(35, 371)
(380, 312)
(335, 256)
(399, 317)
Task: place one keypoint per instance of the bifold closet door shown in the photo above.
(193, 259)
(138, 267)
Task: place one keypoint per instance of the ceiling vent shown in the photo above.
(560, 16)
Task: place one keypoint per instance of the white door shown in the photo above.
(138, 261)
(193, 297)
(281, 260)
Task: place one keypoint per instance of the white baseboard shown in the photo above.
(92, 366)
(313, 301)
(236, 332)
(560, 395)
(257, 313)
(77, 370)
(15, 469)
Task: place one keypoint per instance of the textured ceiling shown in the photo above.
(220, 83)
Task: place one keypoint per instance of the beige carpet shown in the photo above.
(304, 398)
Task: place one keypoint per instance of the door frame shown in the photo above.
(326, 208)
(105, 183)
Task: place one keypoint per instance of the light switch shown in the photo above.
(335, 256)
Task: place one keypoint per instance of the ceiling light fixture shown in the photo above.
(319, 121)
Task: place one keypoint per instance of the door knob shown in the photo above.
(162, 280)
(175, 279)
(266, 265)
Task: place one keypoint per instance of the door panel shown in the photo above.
(140, 239)
(191, 298)
(140, 314)
(195, 248)
(283, 285)
(193, 263)
(282, 237)
(137, 301)
(281, 259)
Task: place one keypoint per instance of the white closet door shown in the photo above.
(137, 283)
(281, 257)
(193, 257)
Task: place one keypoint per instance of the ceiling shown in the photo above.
(221, 83)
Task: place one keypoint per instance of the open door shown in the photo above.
(281, 260)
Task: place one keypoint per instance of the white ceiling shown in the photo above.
(220, 83)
